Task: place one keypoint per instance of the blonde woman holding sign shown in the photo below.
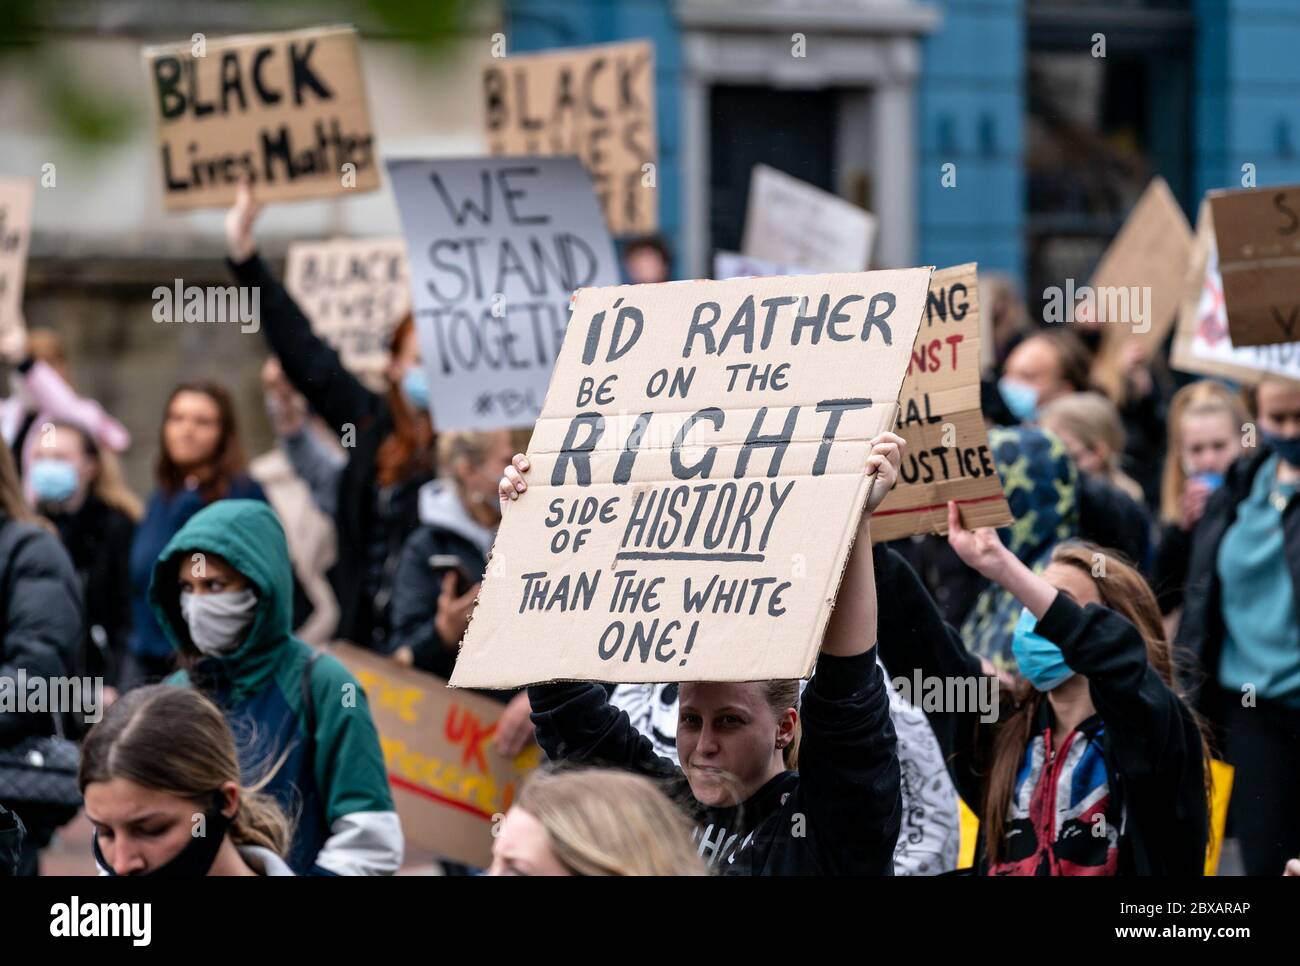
(753, 814)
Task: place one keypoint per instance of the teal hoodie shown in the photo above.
(339, 799)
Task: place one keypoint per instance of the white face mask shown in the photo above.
(218, 622)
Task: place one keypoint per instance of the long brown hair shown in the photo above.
(227, 462)
(607, 822)
(408, 449)
(12, 503)
(1123, 590)
(1200, 398)
(176, 741)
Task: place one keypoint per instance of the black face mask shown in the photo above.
(193, 860)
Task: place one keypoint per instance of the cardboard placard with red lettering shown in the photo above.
(15, 237)
(286, 110)
(1257, 236)
(354, 292)
(939, 415)
(1202, 342)
(790, 222)
(697, 481)
(596, 102)
(449, 782)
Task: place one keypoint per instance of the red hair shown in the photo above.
(408, 449)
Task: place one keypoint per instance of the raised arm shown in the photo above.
(849, 776)
(1149, 725)
(309, 362)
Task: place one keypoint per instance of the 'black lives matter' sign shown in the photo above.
(595, 102)
(497, 247)
(287, 111)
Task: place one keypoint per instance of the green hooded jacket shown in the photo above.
(333, 782)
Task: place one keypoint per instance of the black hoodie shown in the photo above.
(1152, 745)
(838, 815)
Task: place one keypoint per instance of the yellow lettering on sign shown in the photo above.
(396, 698)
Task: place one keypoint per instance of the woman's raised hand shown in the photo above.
(512, 481)
(883, 461)
(981, 550)
(239, 224)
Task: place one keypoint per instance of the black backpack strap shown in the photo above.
(309, 708)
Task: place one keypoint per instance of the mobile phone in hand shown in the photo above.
(441, 562)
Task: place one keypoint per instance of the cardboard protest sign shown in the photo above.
(1138, 282)
(497, 247)
(734, 265)
(1202, 342)
(697, 479)
(1257, 235)
(788, 221)
(354, 291)
(595, 102)
(448, 779)
(15, 236)
(287, 110)
(939, 415)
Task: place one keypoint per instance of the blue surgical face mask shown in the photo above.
(53, 480)
(1287, 447)
(1211, 481)
(1040, 661)
(1020, 398)
(415, 387)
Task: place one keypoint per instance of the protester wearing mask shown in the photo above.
(221, 591)
(159, 757)
(40, 630)
(200, 461)
(1241, 623)
(42, 392)
(594, 822)
(737, 741)
(79, 489)
(1206, 420)
(1042, 368)
(388, 437)
(1096, 765)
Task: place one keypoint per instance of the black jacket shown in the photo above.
(314, 369)
(98, 539)
(415, 595)
(40, 617)
(1169, 571)
(1152, 746)
(1201, 629)
(838, 815)
(1111, 518)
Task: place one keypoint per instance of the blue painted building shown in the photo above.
(1053, 114)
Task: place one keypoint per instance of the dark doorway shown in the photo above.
(793, 131)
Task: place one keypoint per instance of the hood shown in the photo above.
(440, 507)
(248, 535)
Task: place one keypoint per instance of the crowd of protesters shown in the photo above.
(1137, 622)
